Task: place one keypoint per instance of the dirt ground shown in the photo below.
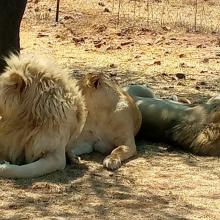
(157, 183)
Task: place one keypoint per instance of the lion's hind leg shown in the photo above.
(139, 90)
(215, 99)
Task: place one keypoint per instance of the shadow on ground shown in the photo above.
(156, 184)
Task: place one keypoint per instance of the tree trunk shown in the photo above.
(11, 12)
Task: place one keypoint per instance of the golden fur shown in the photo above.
(200, 132)
(42, 112)
(113, 121)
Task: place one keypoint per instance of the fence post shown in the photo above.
(196, 12)
(57, 11)
(119, 8)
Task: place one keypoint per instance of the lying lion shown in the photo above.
(196, 129)
(42, 112)
(113, 121)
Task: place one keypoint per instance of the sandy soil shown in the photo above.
(157, 183)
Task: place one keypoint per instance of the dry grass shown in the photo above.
(199, 15)
(157, 184)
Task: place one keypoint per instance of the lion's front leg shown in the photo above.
(119, 154)
(51, 162)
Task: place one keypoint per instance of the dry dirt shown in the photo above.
(157, 183)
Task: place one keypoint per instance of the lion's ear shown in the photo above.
(94, 80)
(17, 81)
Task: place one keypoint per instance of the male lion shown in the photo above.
(42, 111)
(113, 121)
(193, 128)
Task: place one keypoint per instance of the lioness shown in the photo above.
(193, 128)
(42, 112)
(113, 121)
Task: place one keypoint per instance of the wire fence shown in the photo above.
(191, 15)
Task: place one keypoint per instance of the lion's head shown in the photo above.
(98, 89)
(34, 88)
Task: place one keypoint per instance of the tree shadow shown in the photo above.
(70, 173)
(103, 195)
(148, 149)
(85, 191)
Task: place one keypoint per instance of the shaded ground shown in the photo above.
(157, 184)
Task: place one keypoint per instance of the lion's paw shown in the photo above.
(112, 163)
(75, 160)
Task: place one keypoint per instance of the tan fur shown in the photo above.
(113, 121)
(193, 128)
(42, 111)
